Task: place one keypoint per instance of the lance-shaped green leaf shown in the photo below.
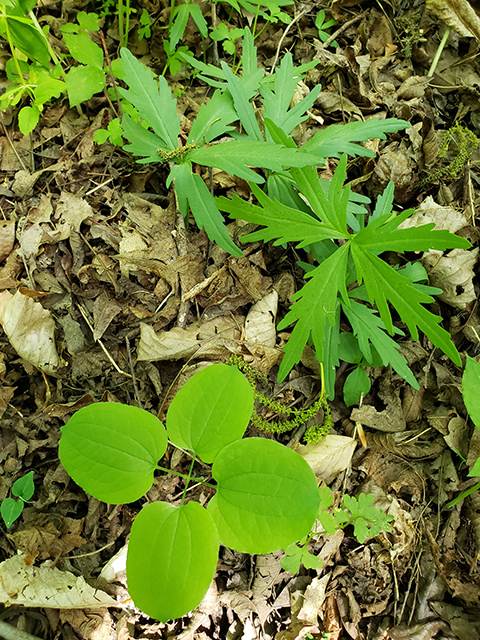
(205, 422)
(277, 102)
(382, 234)
(384, 285)
(213, 118)
(233, 157)
(193, 192)
(471, 389)
(282, 222)
(331, 209)
(369, 328)
(267, 496)
(336, 139)
(315, 302)
(243, 107)
(154, 104)
(143, 142)
(111, 450)
(171, 559)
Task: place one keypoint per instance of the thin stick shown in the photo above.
(9, 632)
(132, 371)
(289, 26)
(338, 32)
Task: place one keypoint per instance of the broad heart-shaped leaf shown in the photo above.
(267, 496)
(385, 284)
(83, 82)
(211, 410)
(155, 105)
(356, 384)
(471, 390)
(315, 302)
(24, 487)
(336, 139)
(111, 450)
(193, 192)
(11, 510)
(171, 559)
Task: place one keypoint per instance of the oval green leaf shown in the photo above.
(471, 389)
(210, 411)
(111, 450)
(171, 559)
(267, 496)
(10, 510)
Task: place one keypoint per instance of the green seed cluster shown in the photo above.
(176, 154)
(295, 417)
(466, 142)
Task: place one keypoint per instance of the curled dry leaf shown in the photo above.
(30, 329)
(47, 587)
(453, 273)
(457, 14)
(330, 456)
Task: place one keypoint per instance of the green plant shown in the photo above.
(40, 81)
(347, 256)
(266, 494)
(230, 103)
(322, 27)
(471, 397)
(227, 37)
(367, 521)
(11, 509)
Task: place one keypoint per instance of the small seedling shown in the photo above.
(23, 489)
(322, 27)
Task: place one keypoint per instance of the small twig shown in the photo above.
(198, 288)
(338, 32)
(107, 57)
(13, 147)
(132, 370)
(9, 632)
(284, 34)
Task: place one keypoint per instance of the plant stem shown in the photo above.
(441, 47)
(462, 496)
(183, 475)
(188, 481)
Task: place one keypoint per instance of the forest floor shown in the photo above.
(98, 241)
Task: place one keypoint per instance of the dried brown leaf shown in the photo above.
(457, 14)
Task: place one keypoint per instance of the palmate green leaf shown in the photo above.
(281, 222)
(368, 520)
(336, 139)
(243, 107)
(205, 422)
(384, 284)
(267, 496)
(369, 329)
(111, 450)
(171, 559)
(193, 192)
(233, 157)
(471, 390)
(155, 105)
(315, 302)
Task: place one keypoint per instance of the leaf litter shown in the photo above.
(99, 269)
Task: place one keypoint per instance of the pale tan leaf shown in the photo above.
(71, 211)
(260, 322)
(457, 14)
(443, 217)
(47, 587)
(330, 456)
(7, 238)
(30, 329)
(314, 598)
(453, 274)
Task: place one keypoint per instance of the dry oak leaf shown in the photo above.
(457, 14)
(330, 456)
(453, 273)
(47, 587)
(30, 329)
(260, 322)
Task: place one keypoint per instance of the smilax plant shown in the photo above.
(266, 494)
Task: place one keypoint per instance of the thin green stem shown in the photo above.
(462, 495)
(127, 21)
(183, 475)
(188, 481)
(170, 19)
(120, 14)
(441, 47)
